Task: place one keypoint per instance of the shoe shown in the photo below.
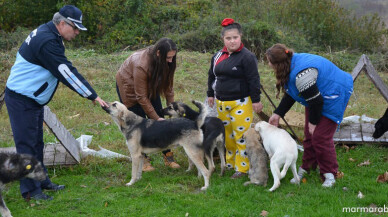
(147, 167)
(169, 160)
(238, 174)
(53, 187)
(329, 180)
(41, 196)
(301, 172)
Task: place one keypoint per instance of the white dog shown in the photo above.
(281, 149)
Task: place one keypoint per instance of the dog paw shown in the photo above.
(247, 183)
(273, 188)
(130, 183)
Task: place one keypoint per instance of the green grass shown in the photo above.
(96, 187)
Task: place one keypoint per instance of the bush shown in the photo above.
(116, 24)
(325, 24)
(258, 37)
(9, 40)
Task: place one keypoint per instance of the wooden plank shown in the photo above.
(53, 155)
(56, 154)
(359, 67)
(8, 150)
(357, 133)
(64, 137)
(367, 130)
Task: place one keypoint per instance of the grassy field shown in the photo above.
(96, 187)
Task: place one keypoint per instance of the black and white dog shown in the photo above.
(381, 126)
(145, 136)
(14, 167)
(213, 132)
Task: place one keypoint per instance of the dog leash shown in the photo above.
(273, 104)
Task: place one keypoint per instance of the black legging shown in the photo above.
(137, 109)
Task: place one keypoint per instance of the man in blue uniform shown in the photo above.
(39, 67)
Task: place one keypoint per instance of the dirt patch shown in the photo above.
(294, 119)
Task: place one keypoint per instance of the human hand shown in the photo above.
(161, 119)
(311, 128)
(101, 102)
(210, 101)
(274, 119)
(257, 107)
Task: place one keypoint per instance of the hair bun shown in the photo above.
(227, 22)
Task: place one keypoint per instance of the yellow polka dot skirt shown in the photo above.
(237, 117)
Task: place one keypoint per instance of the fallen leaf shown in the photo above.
(345, 147)
(187, 214)
(373, 205)
(360, 195)
(32, 204)
(365, 163)
(382, 178)
(106, 204)
(304, 180)
(345, 189)
(351, 159)
(263, 213)
(353, 147)
(106, 123)
(83, 186)
(74, 116)
(340, 175)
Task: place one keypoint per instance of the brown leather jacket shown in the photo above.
(132, 80)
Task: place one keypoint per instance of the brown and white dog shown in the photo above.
(281, 150)
(258, 159)
(213, 132)
(145, 136)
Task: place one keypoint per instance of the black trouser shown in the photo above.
(26, 118)
(137, 109)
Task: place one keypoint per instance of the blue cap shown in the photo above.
(73, 14)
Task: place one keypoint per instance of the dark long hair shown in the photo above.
(280, 57)
(162, 72)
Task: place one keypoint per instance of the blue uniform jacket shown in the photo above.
(335, 85)
(41, 64)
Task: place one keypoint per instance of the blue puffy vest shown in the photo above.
(335, 85)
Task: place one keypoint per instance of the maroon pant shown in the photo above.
(319, 148)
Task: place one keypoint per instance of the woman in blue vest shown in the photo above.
(324, 90)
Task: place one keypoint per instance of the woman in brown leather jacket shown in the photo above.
(144, 76)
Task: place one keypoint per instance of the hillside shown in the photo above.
(362, 7)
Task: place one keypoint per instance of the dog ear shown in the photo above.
(257, 127)
(9, 165)
(121, 115)
(121, 118)
(181, 111)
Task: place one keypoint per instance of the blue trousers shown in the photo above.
(26, 117)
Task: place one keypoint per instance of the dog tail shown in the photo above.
(202, 113)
